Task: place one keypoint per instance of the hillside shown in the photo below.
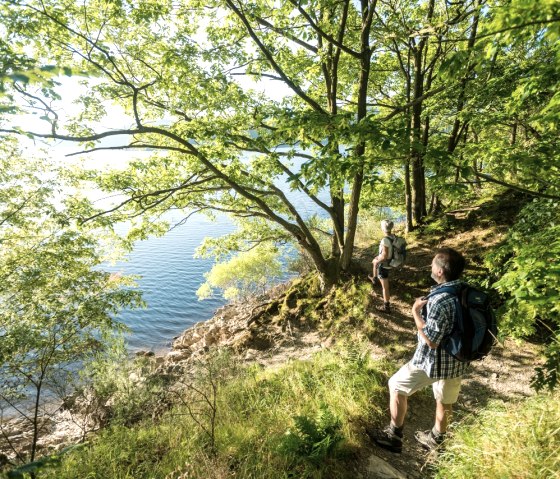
(291, 324)
(273, 339)
(300, 124)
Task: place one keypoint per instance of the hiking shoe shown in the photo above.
(386, 438)
(385, 308)
(428, 439)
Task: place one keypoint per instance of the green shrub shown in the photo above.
(127, 387)
(312, 439)
(527, 271)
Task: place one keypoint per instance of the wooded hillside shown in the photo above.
(418, 111)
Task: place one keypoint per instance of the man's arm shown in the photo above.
(420, 323)
(384, 254)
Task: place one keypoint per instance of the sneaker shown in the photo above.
(428, 439)
(386, 438)
(385, 308)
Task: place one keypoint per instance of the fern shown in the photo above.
(356, 354)
(313, 439)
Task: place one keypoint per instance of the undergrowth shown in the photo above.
(303, 420)
(506, 440)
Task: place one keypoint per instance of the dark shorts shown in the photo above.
(382, 273)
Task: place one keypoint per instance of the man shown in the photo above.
(429, 366)
(380, 264)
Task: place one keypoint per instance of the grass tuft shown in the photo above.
(506, 440)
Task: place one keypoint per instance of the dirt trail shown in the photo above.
(504, 374)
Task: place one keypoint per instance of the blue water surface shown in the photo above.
(169, 278)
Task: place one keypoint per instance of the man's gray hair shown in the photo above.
(387, 226)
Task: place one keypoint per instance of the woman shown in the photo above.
(381, 264)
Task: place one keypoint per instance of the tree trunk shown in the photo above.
(455, 135)
(407, 185)
(352, 218)
(337, 242)
(365, 63)
(418, 190)
(417, 152)
(425, 139)
(331, 276)
(408, 197)
(328, 275)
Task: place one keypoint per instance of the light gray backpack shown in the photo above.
(398, 256)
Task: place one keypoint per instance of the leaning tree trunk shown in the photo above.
(352, 218)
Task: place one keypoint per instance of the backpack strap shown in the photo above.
(467, 322)
(444, 289)
(391, 238)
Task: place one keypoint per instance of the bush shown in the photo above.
(527, 270)
(127, 388)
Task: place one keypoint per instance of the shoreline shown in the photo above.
(230, 326)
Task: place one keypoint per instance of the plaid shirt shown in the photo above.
(439, 314)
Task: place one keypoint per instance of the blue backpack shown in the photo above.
(475, 329)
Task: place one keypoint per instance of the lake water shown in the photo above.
(169, 279)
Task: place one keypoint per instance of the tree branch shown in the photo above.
(324, 35)
(402, 108)
(517, 27)
(517, 188)
(299, 92)
(286, 34)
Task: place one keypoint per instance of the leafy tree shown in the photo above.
(56, 304)
(219, 145)
(510, 114)
(482, 77)
(366, 87)
(244, 274)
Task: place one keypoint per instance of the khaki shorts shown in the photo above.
(409, 379)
